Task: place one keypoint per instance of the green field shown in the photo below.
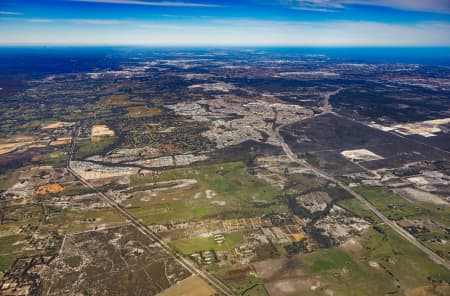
(346, 269)
(55, 159)
(237, 194)
(8, 178)
(188, 246)
(243, 283)
(72, 220)
(356, 207)
(88, 148)
(396, 208)
(73, 261)
(17, 216)
(12, 247)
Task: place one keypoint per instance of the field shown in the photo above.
(356, 207)
(99, 131)
(115, 100)
(55, 159)
(379, 261)
(285, 276)
(71, 220)
(242, 279)
(88, 148)
(12, 247)
(224, 190)
(435, 219)
(143, 111)
(192, 286)
(16, 216)
(196, 244)
(8, 178)
(396, 208)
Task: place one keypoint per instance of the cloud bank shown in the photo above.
(439, 6)
(151, 3)
(237, 32)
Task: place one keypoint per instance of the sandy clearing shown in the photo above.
(416, 195)
(101, 130)
(57, 125)
(210, 194)
(9, 147)
(374, 264)
(61, 141)
(191, 286)
(219, 203)
(361, 154)
(14, 144)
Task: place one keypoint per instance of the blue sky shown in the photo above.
(226, 23)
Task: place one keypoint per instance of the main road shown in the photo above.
(406, 235)
(144, 229)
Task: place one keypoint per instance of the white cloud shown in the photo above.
(39, 20)
(97, 21)
(440, 6)
(162, 27)
(151, 3)
(238, 32)
(10, 13)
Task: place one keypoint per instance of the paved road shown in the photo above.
(433, 256)
(214, 282)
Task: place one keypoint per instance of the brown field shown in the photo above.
(10, 145)
(285, 276)
(101, 130)
(443, 289)
(192, 286)
(61, 141)
(115, 100)
(142, 111)
(416, 195)
(57, 125)
(49, 188)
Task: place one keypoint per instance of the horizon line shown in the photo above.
(223, 45)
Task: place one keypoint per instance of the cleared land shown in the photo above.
(192, 286)
(101, 131)
(379, 261)
(396, 208)
(196, 244)
(222, 190)
(360, 154)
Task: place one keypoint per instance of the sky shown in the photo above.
(318, 23)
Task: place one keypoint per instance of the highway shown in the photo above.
(213, 281)
(406, 235)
